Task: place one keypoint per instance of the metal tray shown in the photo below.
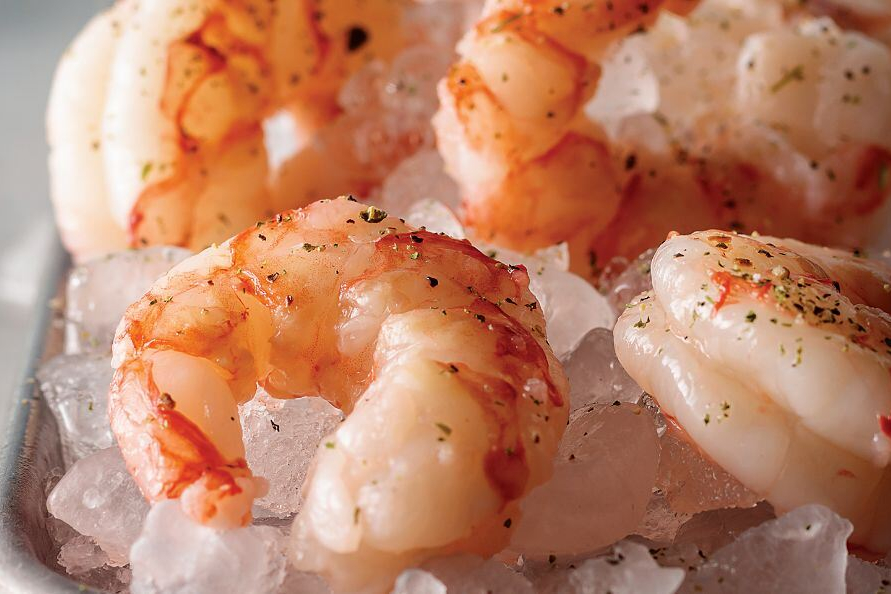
(29, 449)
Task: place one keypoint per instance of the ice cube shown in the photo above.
(554, 257)
(661, 523)
(711, 530)
(802, 551)
(595, 374)
(81, 554)
(98, 498)
(76, 390)
(629, 569)
(175, 555)
(862, 577)
(418, 581)
(87, 563)
(409, 87)
(301, 582)
(440, 24)
(360, 94)
(622, 281)
(58, 531)
(685, 555)
(603, 477)
(281, 437)
(419, 177)
(100, 290)
(693, 483)
(82, 559)
(436, 217)
(572, 307)
(467, 574)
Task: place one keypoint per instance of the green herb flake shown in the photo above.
(373, 215)
(641, 323)
(796, 74)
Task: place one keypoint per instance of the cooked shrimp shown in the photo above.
(436, 353)
(561, 127)
(75, 162)
(773, 355)
(166, 145)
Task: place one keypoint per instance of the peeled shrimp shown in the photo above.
(773, 355)
(436, 353)
(559, 126)
(165, 145)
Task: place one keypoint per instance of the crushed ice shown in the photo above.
(647, 512)
(631, 507)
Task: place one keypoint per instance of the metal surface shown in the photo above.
(29, 450)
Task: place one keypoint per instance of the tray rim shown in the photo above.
(20, 568)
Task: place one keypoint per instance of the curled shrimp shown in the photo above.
(774, 356)
(166, 145)
(436, 353)
(511, 126)
(560, 126)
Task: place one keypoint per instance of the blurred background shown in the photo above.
(33, 34)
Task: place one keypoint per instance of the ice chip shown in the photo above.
(301, 582)
(862, 577)
(436, 217)
(175, 555)
(281, 438)
(469, 574)
(76, 389)
(595, 374)
(98, 498)
(622, 281)
(603, 477)
(693, 483)
(684, 555)
(711, 530)
(554, 257)
(418, 581)
(80, 555)
(361, 92)
(100, 290)
(802, 551)
(409, 87)
(87, 563)
(419, 177)
(661, 523)
(572, 307)
(629, 569)
(440, 24)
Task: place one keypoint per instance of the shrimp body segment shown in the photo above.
(775, 358)
(511, 126)
(171, 145)
(437, 353)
